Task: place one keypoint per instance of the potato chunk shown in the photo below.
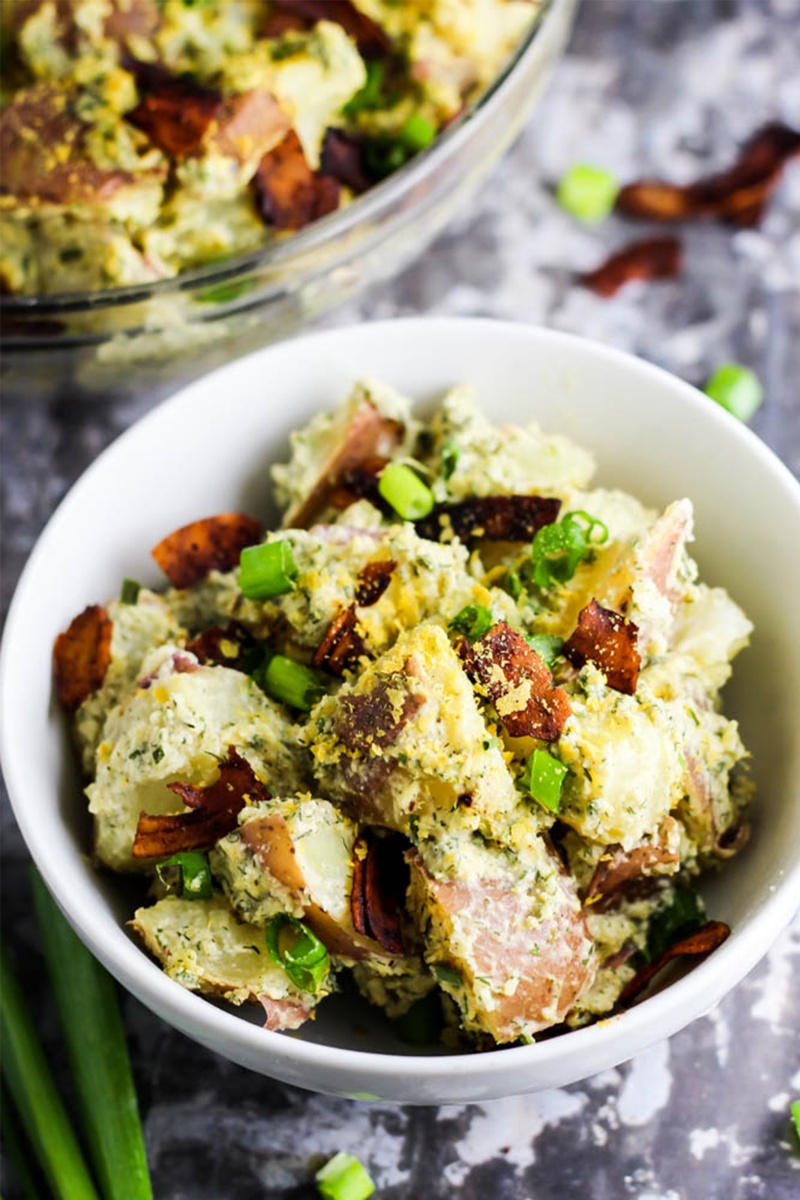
(505, 936)
(176, 727)
(203, 946)
(407, 747)
(294, 855)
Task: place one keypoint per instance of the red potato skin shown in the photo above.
(369, 433)
(620, 871)
(550, 982)
(43, 152)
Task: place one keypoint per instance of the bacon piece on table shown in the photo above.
(650, 258)
(738, 195)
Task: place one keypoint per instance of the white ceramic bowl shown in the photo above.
(207, 450)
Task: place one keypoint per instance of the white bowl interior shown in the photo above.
(208, 450)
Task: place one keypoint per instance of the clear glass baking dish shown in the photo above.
(156, 337)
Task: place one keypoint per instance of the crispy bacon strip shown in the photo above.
(176, 114)
(492, 518)
(518, 683)
(215, 809)
(699, 944)
(343, 157)
(188, 554)
(368, 434)
(650, 258)
(621, 871)
(341, 645)
(373, 580)
(380, 881)
(366, 33)
(81, 655)
(608, 640)
(290, 194)
(738, 195)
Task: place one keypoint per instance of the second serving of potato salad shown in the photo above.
(451, 736)
(142, 138)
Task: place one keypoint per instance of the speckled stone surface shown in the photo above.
(647, 87)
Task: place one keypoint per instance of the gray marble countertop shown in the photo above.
(647, 86)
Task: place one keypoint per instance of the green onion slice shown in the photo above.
(558, 549)
(544, 777)
(796, 1116)
(547, 646)
(344, 1178)
(417, 132)
(370, 95)
(302, 955)
(737, 389)
(129, 592)
(447, 974)
(473, 621)
(290, 682)
(410, 498)
(588, 192)
(193, 871)
(448, 459)
(267, 570)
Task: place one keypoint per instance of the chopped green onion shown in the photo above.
(473, 621)
(194, 874)
(370, 95)
(302, 955)
(558, 549)
(737, 389)
(679, 918)
(267, 570)
(225, 293)
(344, 1178)
(588, 192)
(422, 1023)
(448, 458)
(796, 1116)
(417, 132)
(290, 682)
(547, 646)
(34, 1093)
(544, 777)
(129, 592)
(410, 498)
(447, 974)
(86, 998)
(513, 583)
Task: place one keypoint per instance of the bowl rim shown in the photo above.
(280, 252)
(654, 1018)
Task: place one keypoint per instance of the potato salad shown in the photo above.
(451, 736)
(141, 138)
